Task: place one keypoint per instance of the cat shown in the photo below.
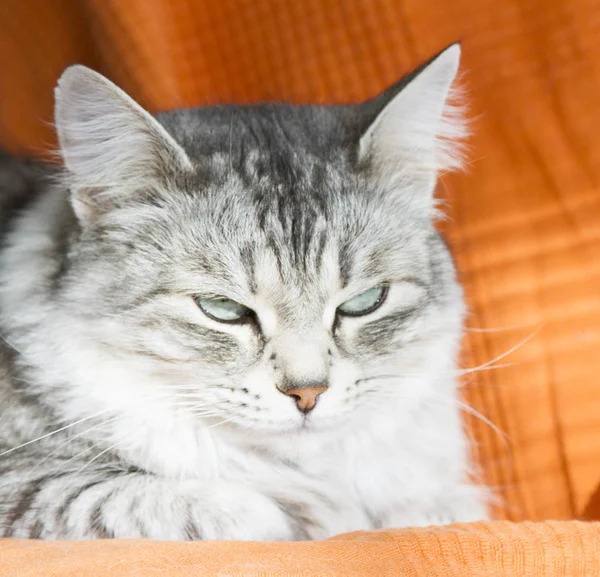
(233, 322)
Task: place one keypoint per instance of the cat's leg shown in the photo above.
(100, 502)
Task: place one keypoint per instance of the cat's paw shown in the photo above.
(464, 504)
(145, 506)
(316, 513)
(233, 512)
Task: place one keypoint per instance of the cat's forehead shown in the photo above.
(270, 129)
(280, 204)
(299, 238)
(285, 222)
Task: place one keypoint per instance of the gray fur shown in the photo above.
(125, 413)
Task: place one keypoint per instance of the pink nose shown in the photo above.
(306, 397)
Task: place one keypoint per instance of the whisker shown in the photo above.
(500, 329)
(10, 345)
(465, 164)
(512, 349)
(99, 455)
(53, 432)
(457, 373)
(475, 413)
(230, 420)
(200, 412)
(75, 423)
(488, 365)
(197, 395)
(451, 401)
(71, 439)
(484, 367)
(81, 453)
(193, 386)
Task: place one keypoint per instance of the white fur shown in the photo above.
(418, 134)
(393, 455)
(402, 460)
(107, 140)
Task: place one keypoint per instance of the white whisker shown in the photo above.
(475, 413)
(500, 329)
(53, 432)
(484, 367)
(10, 345)
(511, 350)
(230, 420)
(110, 448)
(450, 401)
(488, 365)
(71, 439)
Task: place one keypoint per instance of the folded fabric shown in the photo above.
(556, 548)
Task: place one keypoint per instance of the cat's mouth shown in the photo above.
(304, 424)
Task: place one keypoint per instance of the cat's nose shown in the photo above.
(305, 397)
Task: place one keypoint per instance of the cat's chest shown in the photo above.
(371, 470)
(366, 471)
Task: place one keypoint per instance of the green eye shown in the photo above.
(222, 309)
(364, 303)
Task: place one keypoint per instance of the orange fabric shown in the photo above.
(559, 549)
(524, 222)
(592, 509)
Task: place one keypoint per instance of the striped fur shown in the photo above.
(127, 412)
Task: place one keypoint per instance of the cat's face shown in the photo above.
(265, 281)
(332, 295)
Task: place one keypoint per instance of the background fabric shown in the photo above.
(524, 223)
(559, 549)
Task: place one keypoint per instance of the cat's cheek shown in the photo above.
(342, 395)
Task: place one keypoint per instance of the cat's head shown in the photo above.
(254, 263)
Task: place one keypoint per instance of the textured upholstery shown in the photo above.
(524, 222)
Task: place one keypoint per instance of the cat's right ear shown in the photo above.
(112, 148)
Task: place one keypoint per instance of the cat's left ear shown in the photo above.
(415, 135)
(112, 148)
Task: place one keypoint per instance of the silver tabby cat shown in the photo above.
(232, 322)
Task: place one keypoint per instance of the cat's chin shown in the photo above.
(303, 426)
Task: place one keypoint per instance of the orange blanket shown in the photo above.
(524, 227)
(559, 549)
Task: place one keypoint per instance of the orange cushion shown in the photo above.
(567, 549)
